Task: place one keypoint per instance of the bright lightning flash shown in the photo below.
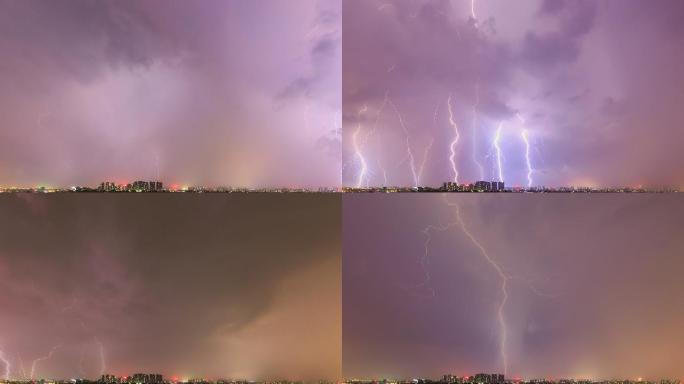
(503, 287)
(497, 138)
(357, 150)
(528, 162)
(454, 142)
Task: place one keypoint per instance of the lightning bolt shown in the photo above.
(475, 107)
(35, 362)
(6, 363)
(472, 10)
(384, 173)
(503, 278)
(103, 360)
(496, 267)
(21, 367)
(96, 340)
(409, 152)
(497, 138)
(425, 157)
(528, 162)
(454, 142)
(357, 150)
(426, 254)
(527, 158)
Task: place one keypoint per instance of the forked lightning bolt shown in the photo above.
(503, 278)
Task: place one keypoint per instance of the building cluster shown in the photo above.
(479, 186)
(499, 186)
(497, 378)
(136, 186)
(158, 186)
(150, 378)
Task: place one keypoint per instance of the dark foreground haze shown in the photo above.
(213, 286)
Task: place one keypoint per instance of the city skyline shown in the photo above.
(550, 92)
(245, 286)
(197, 92)
(528, 285)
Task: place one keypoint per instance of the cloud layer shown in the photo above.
(201, 92)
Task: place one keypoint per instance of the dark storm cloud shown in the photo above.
(563, 45)
(532, 58)
(594, 287)
(188, 90)
(183, 285)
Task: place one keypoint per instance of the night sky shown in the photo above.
(597, 85)
(203, 92)
(246, 286)
(594, 285)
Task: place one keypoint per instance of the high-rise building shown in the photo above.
(147, 378)
(107, 186)
(450, 186)
(483, 186)
(109, 379)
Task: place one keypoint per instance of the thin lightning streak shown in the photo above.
(357, 150)
(497, 137)
(527, 158)
(474, 136)
(8, 365)
(409, 152)
(384, 173)
(156, 163)
(425, 157)
(96, 340)
(530, 170)
(21, 367)
(426, 254)
(103, 361)
(454, 142)
(503, 329)
(376, 122)
(35, 362)
(472, 9)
